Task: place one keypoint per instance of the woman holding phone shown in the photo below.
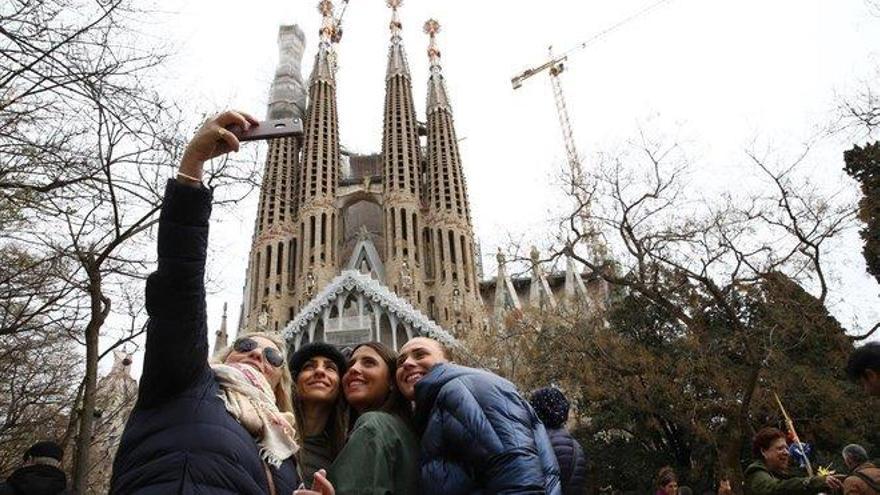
(225, 427)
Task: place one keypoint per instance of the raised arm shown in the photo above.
(177, 343)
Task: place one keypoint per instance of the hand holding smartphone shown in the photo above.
(268, 129)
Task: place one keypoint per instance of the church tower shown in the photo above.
(449, 239)
(316, 264)
(400, 174)
(269, 290)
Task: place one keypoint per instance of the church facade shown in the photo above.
(352, 247)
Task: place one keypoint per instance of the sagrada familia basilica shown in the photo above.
(356, 247)
(348, 247)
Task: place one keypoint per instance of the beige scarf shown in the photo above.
(250, 400)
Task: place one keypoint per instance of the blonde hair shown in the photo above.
(284, 387)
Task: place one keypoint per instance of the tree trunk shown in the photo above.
(100, 307)
(729, 457)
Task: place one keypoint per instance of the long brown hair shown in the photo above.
(337, 424)
(394, 403)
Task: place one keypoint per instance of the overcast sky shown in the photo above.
(716, 75)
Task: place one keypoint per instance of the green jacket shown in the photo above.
(381, 457)
(760, 481)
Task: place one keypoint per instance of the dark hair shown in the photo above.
(44, 449)
(685, 490)
(866, 357)
(665, 476)
(395, 403)
(764, 439)
(336, 428)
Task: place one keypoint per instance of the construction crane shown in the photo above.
(337, 18)
(555, 65)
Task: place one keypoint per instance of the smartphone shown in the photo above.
(269, 129)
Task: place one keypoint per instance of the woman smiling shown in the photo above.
(381, 455)
(318, 404)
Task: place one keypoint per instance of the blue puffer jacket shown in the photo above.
(572, 462)
(478, 435)
(180, 439)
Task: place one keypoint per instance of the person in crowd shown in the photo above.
(864, 478)
(381, 454)
(552, 408)
(684, 490)
(864, 367)
(40, 474)
(768, 474)
(319, 405)
(227, 427)
(666, 482)
(478, 435)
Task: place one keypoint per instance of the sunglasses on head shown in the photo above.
(271, 354)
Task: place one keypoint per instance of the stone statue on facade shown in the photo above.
(456, 300)
(310, 285)
(406, 279)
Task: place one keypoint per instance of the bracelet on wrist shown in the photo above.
(190, 177)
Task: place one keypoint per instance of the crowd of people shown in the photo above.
(255, 421)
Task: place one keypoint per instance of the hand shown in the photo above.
(212, 140)
(724, 488)
(834, 484)
(320, 486)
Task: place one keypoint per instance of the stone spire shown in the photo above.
(505, 293)
(450, 241)
(287, 97)
(269, 285)
(114, 399)
(400, 176)
(319, 175)
(437, 95)
(222, 339)
(540, 294)
(397, 63)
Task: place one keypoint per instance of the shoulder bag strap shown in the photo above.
(269, 479)
(867, 479)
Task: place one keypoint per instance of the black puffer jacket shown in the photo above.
(572, 462)
(35, 480)
(180, 438)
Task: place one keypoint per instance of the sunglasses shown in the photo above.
(271, 354)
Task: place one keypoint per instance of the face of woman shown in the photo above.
(776, 456)
(670, 488)
(367, 382)
(318, 382)
(257, 359)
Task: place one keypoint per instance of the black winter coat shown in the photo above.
(35, 480)
(478, 435)
(572, 462)
(179, 438)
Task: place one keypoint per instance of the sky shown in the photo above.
(716, 75)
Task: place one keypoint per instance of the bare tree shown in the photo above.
(86, 145)
(700, 262)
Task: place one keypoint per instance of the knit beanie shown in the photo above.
(308, 351)
(551, 406)
(44, 449)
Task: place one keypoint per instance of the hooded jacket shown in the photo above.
(762, 481)
(35, 480)
(478, 435)
(180, 438)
